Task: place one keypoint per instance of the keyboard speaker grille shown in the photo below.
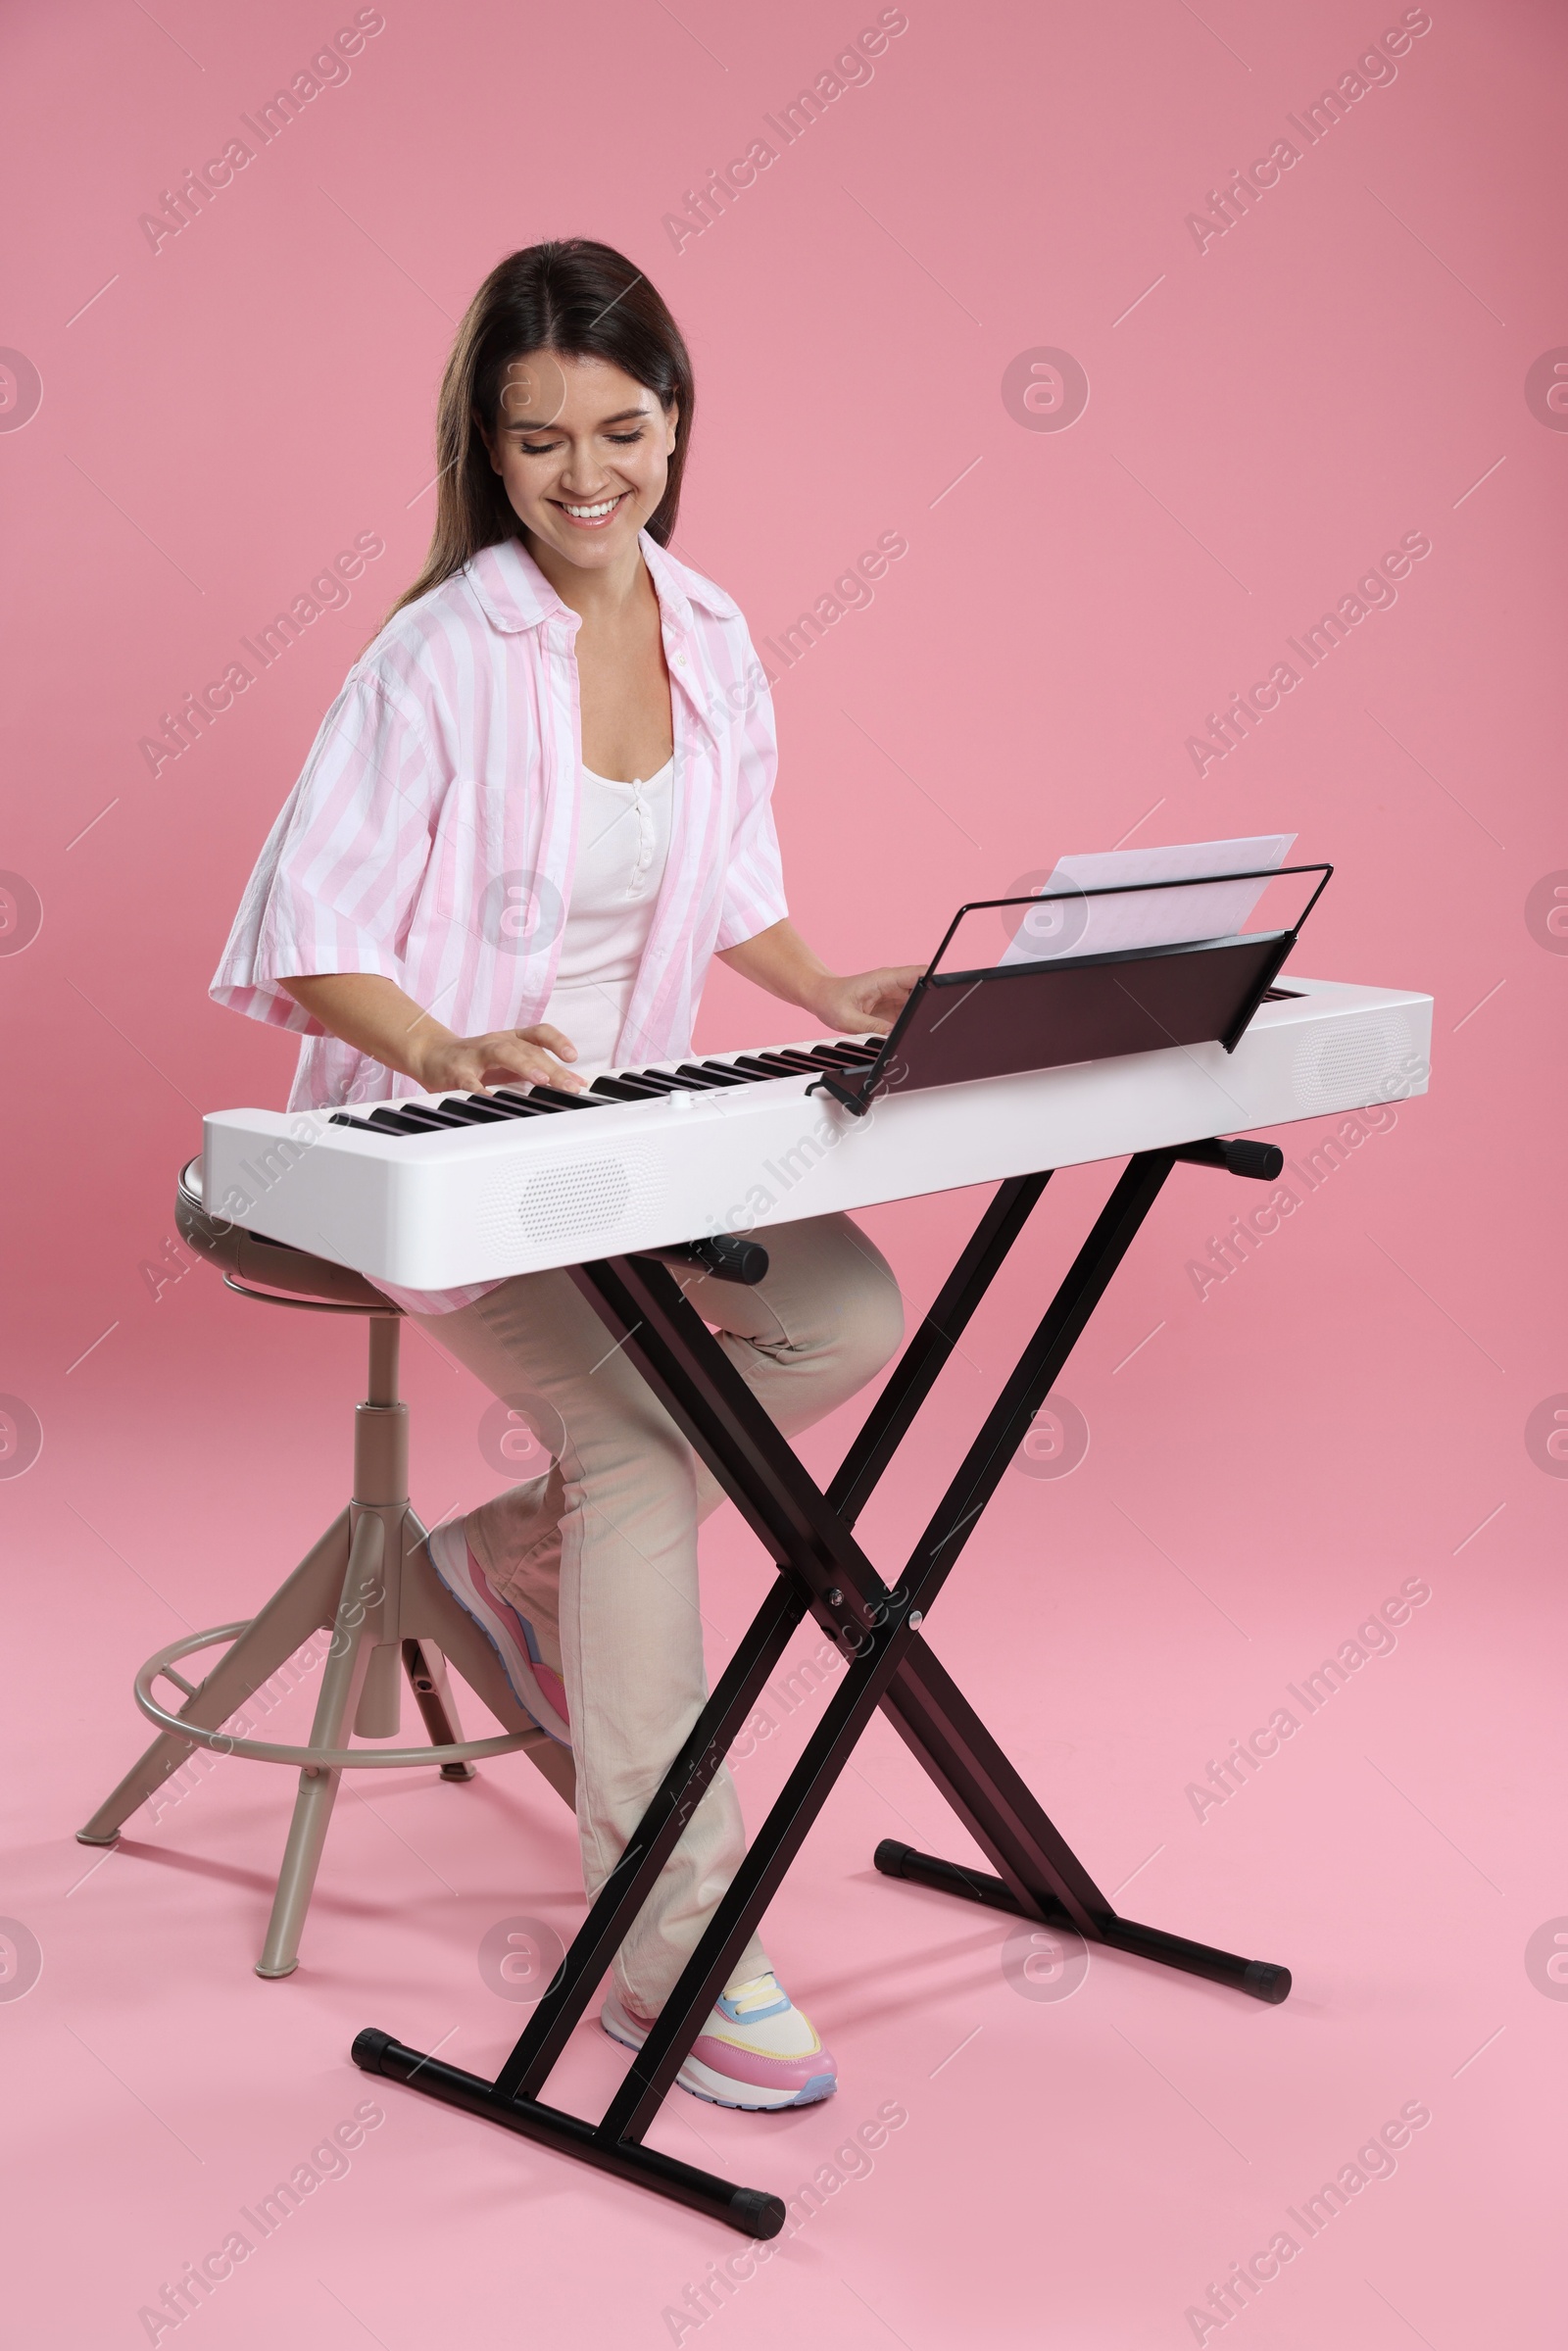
(1355, 1061)
(577, 1199)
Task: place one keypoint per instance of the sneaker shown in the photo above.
(540, 1693)
(756, 2051)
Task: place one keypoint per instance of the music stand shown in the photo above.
(1003, 1018)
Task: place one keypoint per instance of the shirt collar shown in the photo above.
(511, 590)
(514, 594)
(679, 587)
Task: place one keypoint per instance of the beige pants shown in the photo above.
(601, 1554)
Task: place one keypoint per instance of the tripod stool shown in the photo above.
(367, 1581)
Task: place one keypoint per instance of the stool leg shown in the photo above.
(422, 1660)
(426, 1670)
(341, 1679)
(295, 1611)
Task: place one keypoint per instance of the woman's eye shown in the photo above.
(622, 440)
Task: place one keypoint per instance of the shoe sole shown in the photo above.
(700, 2081)
(455, 1579)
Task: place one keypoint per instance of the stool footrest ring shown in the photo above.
(311, 1306)
(265, 1750)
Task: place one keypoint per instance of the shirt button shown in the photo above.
(680, 660)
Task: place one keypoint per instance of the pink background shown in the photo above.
(1346, 365)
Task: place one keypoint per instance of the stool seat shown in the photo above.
(252, 1257)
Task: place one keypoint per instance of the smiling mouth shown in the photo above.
(594, 516)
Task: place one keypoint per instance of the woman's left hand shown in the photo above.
(868, 1002)
(865, 1004)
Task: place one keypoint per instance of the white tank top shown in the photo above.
(622, 848)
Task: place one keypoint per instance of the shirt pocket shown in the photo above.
(485, 880)
(469, 848)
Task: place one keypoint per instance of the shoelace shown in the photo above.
(750, 2004)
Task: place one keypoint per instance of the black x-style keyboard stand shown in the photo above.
(823, 1572)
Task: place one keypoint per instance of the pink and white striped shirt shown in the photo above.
(432, 834)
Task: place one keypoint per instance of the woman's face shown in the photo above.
(584, 453)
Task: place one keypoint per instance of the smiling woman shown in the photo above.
(571, 302)
(538, 809)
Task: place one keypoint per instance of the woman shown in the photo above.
(535, 811)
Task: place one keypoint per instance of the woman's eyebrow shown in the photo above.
(623, 416)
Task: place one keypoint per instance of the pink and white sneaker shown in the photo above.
(540, 1693)
(757, 2049)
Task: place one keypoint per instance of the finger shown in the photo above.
(508, 1058)
(489, 1067)
(519, 1048)
(556, 1039)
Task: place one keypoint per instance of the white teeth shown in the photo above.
(591, 513)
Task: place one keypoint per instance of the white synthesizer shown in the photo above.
(432, 1191)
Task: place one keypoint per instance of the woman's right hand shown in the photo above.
(372, 1013)
(474, 1064)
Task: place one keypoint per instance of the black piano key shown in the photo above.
(486, 1107)
(854, 1052)
(556, 1098)
(627, 1090)
(430, 1114)
(472, 1110)
(402, 1122)
(713, 1073)
(522, 1106)
(858, 1059)
(767, 1063)
(662, 1081)
(434, 1117)
(341, 1118)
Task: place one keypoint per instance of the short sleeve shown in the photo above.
(754, 881)
(335, 884)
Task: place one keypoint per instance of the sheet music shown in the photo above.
(1065, 923)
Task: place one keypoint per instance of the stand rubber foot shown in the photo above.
(1266, 1981)
(755, 2213)
(369, 2047)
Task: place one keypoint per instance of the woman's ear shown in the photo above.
(673, 422)
(488, 438)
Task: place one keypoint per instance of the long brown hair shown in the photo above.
(582, 301)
